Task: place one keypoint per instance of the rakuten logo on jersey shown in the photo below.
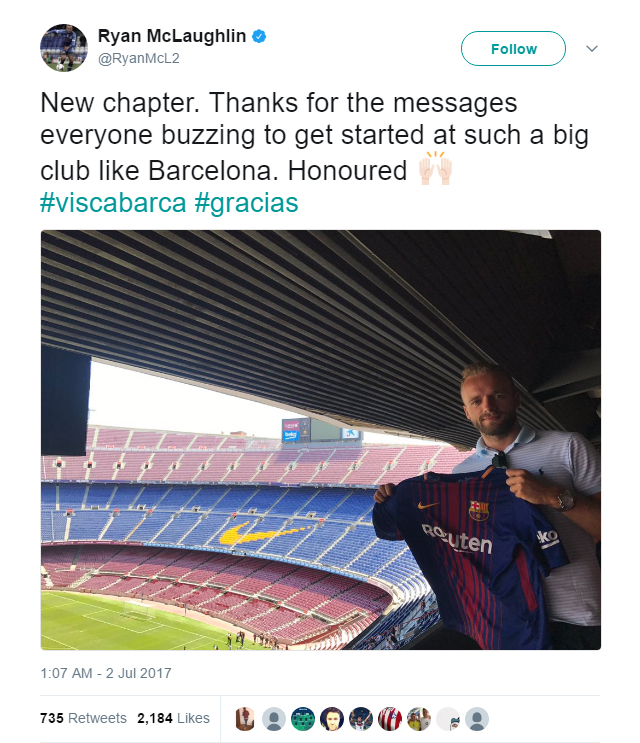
(459, 542)
(548, 538)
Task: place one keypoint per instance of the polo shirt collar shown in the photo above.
(526, 435)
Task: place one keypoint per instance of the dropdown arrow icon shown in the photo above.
(590, 49)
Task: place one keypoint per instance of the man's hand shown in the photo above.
(532, 489)
(426, 170)
(444, 170)
(384, 492)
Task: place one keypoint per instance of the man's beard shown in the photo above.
(497, 428)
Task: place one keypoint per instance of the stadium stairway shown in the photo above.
(200, 469)
(386, 565)
(297, 544)
(130, 534)
(258, 471)
(115, 488)
(107, 525)
(393, 466)
(362, 552)
(335, 508)
(45, 577)
(222, 527)
(156, 536)
(84, 499)
(133, 503)
(74, 562)
(284, 526)
(356, 466)
(83, 578)
(67, 528)
(186, 534)
(347, 529)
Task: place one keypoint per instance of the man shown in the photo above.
(68, 44)
(414, 723)
(333, 718)
(554, 470)
(425, 719)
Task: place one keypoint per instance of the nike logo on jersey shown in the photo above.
(421, 507)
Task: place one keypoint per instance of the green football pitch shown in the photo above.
(79, 621)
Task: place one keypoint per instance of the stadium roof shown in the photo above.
(367, 328)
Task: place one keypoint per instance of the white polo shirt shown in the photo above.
(568, 460)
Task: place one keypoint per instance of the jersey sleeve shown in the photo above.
(585, 465)
(538, 536)
(385, 519)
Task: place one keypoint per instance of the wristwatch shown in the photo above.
(566, 501)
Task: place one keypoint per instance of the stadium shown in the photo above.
(157, 539)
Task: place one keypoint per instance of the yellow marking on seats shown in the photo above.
(232, 536)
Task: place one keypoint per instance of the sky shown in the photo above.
(122, 397)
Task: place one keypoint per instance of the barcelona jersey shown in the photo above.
(483, 551)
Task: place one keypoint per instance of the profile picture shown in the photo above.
(303, 718)
(389, 718)
(63, 47)
(331, 718)
(448, 719)
(245, 719)
(360, 718)
(477, 719)
(273, 719)
(418, 718)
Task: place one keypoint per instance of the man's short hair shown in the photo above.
(484, 367)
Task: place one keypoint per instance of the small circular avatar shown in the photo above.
(477, 719)
(389, 718)
(419, 718)
(360, 718)
(448, 719)
(63, 47)
(303, 718)
(331, 718)
(245, 718)
(273, 719)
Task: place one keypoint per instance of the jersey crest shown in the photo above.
(478, 511)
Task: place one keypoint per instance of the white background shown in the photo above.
(401, 48)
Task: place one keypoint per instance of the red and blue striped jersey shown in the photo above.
(483, 551)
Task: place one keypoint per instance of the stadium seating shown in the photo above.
(87, 525)
(327, 527)
(346, 465)
(239, 527)
(72, 495)
(99, 495)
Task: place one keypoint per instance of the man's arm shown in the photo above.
(585, 513)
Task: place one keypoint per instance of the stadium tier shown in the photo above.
(269, 538)
(329, 528)
(314, 604)
(121, 455)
